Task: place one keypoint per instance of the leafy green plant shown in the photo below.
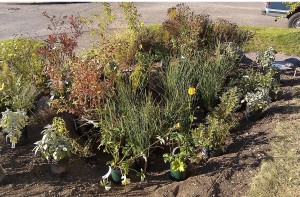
(250, 80)
(218, 124)
(22, 57)
(131, 15)
(55, 144)
(179, 161)
(17, 92)
(102, 21)
(117, 47)
(12, 124)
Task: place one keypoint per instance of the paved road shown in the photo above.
(26, 19)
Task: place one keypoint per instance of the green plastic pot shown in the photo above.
(177, 175)
(116, 176)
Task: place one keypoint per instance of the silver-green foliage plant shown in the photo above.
(12, 124)
(233, 50)
(266, 59)
(251, 80)
(54, 144)
(257, 100)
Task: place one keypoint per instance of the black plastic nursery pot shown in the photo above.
(59, 167)
(177, 175)
(23, 140)
(276, 77)
(253, 115)
(216, 152)
(2, 173)
(140, 163)
(275, 96)
(91, 159)
(82, 128)
(116, 176)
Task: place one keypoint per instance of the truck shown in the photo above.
(282, 10)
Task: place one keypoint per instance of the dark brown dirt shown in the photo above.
(227, 175)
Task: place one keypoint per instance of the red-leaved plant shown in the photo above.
(89, 86)
(77, 86)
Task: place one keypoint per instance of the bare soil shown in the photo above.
(227, 175)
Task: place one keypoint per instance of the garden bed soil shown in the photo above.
(226, 175)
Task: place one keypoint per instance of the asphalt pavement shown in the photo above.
(26, 20)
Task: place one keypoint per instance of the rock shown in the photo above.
(2, 173)
(246, 60)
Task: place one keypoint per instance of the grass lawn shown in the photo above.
(280, 171)
(283, 40)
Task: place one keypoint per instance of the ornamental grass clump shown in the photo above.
(178, 99)
(129, 125)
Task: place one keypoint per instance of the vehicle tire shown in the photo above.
(294, 21)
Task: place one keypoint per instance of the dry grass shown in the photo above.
(279, 175)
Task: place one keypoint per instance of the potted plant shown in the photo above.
(111, 141)
(179, 158)
(55, 146)
(256, 102)
(211, 136)
(120, 165)
(13, 125)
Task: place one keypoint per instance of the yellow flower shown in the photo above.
(142, 24)
(192, 91)
(33, 54)
(177, 126)
(140, 46)
(2, 87)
